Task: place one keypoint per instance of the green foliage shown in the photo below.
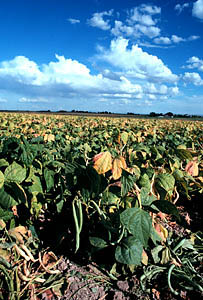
(111, 178)
(138, 222)
(130, 251)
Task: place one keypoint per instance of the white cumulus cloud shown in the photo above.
(174, 90)
(174, 39)
(149, 31)
(177, 39)
(193, 78)
(135, 30)
(141, 20)
(62, 78)
(143, 14)
(197, 10)
(21, 68)
(135, 62)
(194, 62)
(64, 70)
(97, 20)
(162, 40)
(136, 75)
(121, 29)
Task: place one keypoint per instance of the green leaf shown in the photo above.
(27, 157)
(124, 137)
(6, 201)
(145, 182)
(127, 182)
(178, 174)
(98, 242)
(11, 126)
(49, 178)
(94, 182)
(155, 253)
(146, 198)
(138, 222)
(136, 172)
(87, 148)
(165, 181)
(180, 179)
(167, 207)
(184, 154)
(31, 173)
(156, 153)
(5, 214)
(1, 179)
(129, 252)
(165, 184)
(3, 163)
(59, 206)
(71, 167)
(17, 192)
(36, 206)
(36, 187)
(188, 245)
(110, 198)
(15, 172)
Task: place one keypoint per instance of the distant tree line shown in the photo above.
(151, 114)
(171, 115)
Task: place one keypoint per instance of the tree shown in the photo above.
(152, 114)
(169, 114)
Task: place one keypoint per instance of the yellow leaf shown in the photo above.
(200, 179)
(49, 137)
(103, 162)
(144, 258)
(118, 164)
(1, 179)
(166, 256)
(112, 209)
(2, 224)
(129, 153)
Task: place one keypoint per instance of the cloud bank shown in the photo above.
(132, 75)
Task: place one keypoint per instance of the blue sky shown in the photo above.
(102, 55)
